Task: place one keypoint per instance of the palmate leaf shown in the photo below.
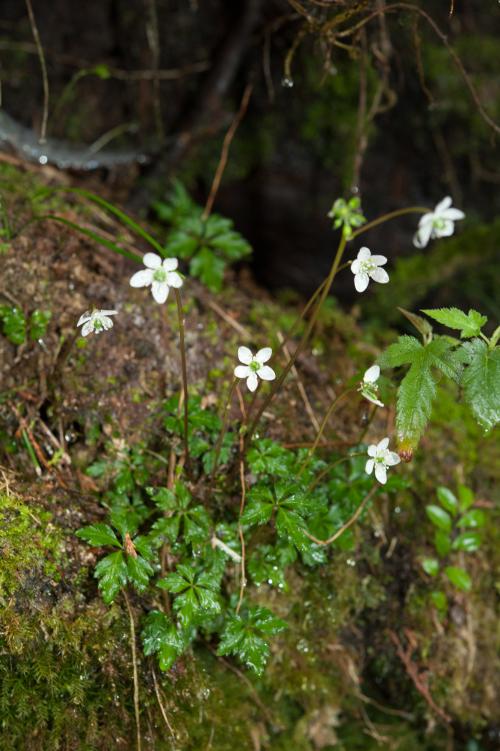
(99, 534)
(160, 636)
(243, 636)
(481, 382)
(111, 572)
(469, 324)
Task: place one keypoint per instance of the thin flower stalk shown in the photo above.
(223, 431)
(322, 427)
(390, 215)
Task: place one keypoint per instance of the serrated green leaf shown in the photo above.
(161, 637)
(402, 352)
(481, 382)
(416, 394)
(243, 637)
(459, 578)
(473, 518)
(38, 323)
(111, 572)
(430, 566)
(439, 517)
(467, 541)
(448, 500)
(208, 268)
(469, 324)
(139, 571)
(98, 535)
(291, 526)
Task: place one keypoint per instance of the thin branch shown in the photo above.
(160, 704)
(43, 66)
(345, 526)
(136, 676)
(225, 150)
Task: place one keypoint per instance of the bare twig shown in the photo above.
(225, 150)
(135, 672)
(300, 385)
(43, 66)
(345, 526)
(418, 677)
(160, 704)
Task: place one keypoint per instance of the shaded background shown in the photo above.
(382, 111)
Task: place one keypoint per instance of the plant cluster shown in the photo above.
(18, 327)
(237, 506)
(457, 529)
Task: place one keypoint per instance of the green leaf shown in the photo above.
(439, 601)
(439, 517)
(447, 500)
(139, 571)
(442, 543)
(197, 593)
(208, 268)
(14, 324)
(38, 323)
(243, 637)
(99, 534)
(430, 566)
(291, 526)
(260, 506)
(466, 497)
(402, 352)
(481, 382)
(459, 578)
(468, 542)
(473, 518)
(468, 325)
(111, 572)
(161, 637)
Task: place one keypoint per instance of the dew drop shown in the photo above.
(287, 83)
(43, 159)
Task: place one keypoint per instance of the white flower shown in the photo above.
(437, 223)
(366, 267)
(368, 385)
(381, 458)
(96, 321)
(253, 367)
(160, 274)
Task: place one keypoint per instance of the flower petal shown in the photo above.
(369, 466)
(152, 261)
(361, 281)
(245, 355)
(242, 371)
(108, 312)
(160, 292)
(142, 278)
(453, 214)
(372, 374)
(88, 327)
(382, 445)
(446, 230)
(379, 260)
(381, 473)
(170, 264)
(174, 279)
(263, 355)
(252, 381)
(423, 235)
(364, 254)
(379, 275)
(391, 458)
(266, 373)
(106, 322)
(442, 205)
(84, 318)
(372, 450)
(372, 399)
(355, 266)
